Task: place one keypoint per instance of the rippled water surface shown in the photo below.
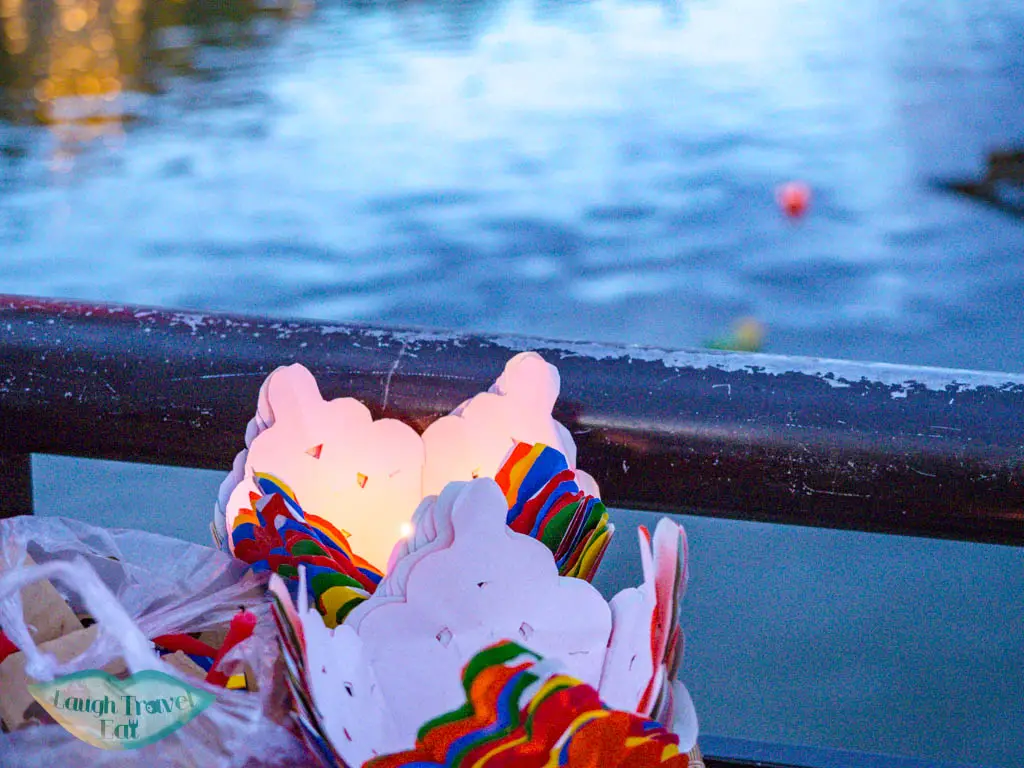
(596, 170)
(578, 169)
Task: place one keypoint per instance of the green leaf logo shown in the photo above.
(120, 714)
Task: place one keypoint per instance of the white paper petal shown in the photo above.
(363, 476)
(223, 514)
(232, 479)
(474, 440)
(631, 652)
(568, 445)
(489, 584)
(434, 534)
(587, 484)
(353, 712)
(684, 723)
(629, 664)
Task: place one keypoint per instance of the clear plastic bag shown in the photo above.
(136, 586)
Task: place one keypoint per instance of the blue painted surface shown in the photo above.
(776, 754)
(587, 170)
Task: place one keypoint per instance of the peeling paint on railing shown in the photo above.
(810, 441)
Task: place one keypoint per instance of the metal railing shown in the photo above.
(870, 447)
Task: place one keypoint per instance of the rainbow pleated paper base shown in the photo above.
(546, 502)
(520, 712)
(277, 536)
(665, 566)
(293, 651)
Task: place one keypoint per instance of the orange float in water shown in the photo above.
(794, 198)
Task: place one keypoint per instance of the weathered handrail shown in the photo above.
(871, 447)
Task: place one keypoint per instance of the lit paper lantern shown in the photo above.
(366, 477)
(278, 536)
(333, 500)
(361, 475)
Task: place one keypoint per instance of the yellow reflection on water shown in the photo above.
(71, 63)
(15, 28)
(74, 59)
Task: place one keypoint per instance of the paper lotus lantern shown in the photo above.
(521, 710)
(464, 582)
(366, 477)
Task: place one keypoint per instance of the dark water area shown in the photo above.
(583, 170)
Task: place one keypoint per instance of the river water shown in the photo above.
(600, 170)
